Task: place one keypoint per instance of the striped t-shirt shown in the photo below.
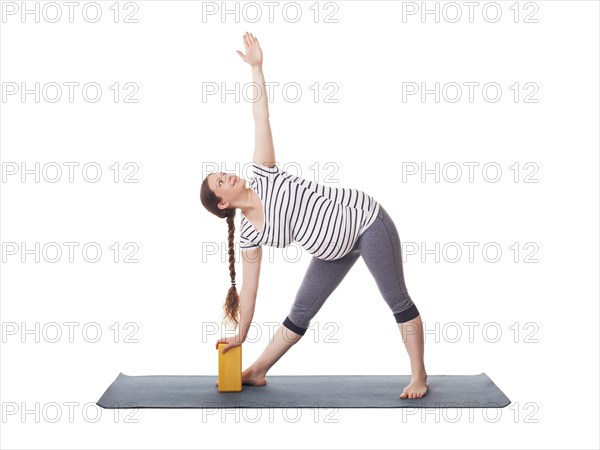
(325, 221)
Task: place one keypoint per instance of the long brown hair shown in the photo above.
(210, 201)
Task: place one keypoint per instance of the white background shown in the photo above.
(549, 369)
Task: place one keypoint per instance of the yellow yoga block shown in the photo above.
(230, 369)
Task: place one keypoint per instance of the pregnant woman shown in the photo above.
(335, 225)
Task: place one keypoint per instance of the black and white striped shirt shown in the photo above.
(325, 221)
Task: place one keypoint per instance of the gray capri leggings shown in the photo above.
(379, 245)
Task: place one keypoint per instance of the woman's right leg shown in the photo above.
(282, 341)
(320, 280)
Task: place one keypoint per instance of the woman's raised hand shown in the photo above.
(253, 55)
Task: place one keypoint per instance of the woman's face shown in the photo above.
(226, 185)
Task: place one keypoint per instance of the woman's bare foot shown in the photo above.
(417, 388)
(251, 377)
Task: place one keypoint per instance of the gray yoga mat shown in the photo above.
(302, 391)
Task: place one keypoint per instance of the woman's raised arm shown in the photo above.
(264, 151)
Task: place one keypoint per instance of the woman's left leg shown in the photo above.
(380, 248)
